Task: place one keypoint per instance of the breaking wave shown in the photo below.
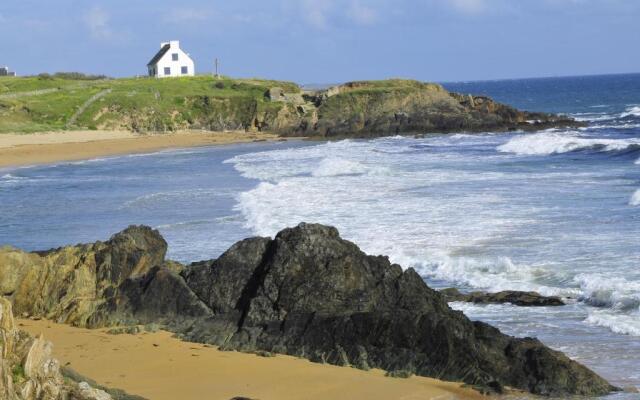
(546, 143)
(434, 219)
(12, 178)
(630, 112)
(616, 293)
(617, 323)
(332, 166)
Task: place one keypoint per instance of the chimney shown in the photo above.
(174, 44)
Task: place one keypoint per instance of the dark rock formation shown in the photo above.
(518, 298)
(306, 293)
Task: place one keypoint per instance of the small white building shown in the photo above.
(171, 61)
(4, 71)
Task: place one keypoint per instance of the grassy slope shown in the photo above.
(202, 102)
(177, 99)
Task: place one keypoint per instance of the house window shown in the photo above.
(185, 70)
(174, 56)
(167, 70)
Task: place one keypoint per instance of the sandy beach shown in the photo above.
(160, 367)
(40, 148)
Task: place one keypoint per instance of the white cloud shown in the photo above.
(97, 21)
(362, 14)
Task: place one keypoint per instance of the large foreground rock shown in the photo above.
(307, 293)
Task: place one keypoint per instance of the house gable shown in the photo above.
(171, 61)
(163, 50)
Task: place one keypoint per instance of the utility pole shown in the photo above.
(216, 68)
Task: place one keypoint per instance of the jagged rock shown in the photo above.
(309, 293)
(275, 94)
(27, 369)
(518, 298)
(74, 284)
(396, 106)
(89, 393)
(306, 293)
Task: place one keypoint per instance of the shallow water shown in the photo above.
(556, 211)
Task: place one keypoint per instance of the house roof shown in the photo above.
(159, 54)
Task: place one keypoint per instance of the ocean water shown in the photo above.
(556, 211)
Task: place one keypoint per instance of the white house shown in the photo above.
(4, 71)
(171, 61)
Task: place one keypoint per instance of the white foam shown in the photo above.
(10, 179)
(334, 166)
(623, 324)
(614, 292)
(453, 225)
(493, 274)
(635, 198)
(610, 126)
(546, 143)
(631, 111)
(347, 184)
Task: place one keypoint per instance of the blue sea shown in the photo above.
(556, 211)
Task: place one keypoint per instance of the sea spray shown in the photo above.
(547, 143)
(635, 198)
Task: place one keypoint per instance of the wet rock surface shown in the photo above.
(306, 292)
(518, 298)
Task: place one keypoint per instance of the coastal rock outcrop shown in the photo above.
(515, 297)
(381, 108)
(307, 292)
(28, 371)
(354, 109)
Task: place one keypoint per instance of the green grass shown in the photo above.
(18, 374)
(161, 105)
(134, 103)
(392, 85)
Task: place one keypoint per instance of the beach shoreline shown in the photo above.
(18, 150)
(158, 366)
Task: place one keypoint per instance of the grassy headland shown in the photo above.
(49, 103)
(364, 109)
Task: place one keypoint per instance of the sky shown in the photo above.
(327, 41)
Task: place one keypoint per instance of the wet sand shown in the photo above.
(160, 367)
(41, 148)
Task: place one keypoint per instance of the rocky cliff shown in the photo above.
(354, 109)
(306, 292)
(379, 108)
(28, 371)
